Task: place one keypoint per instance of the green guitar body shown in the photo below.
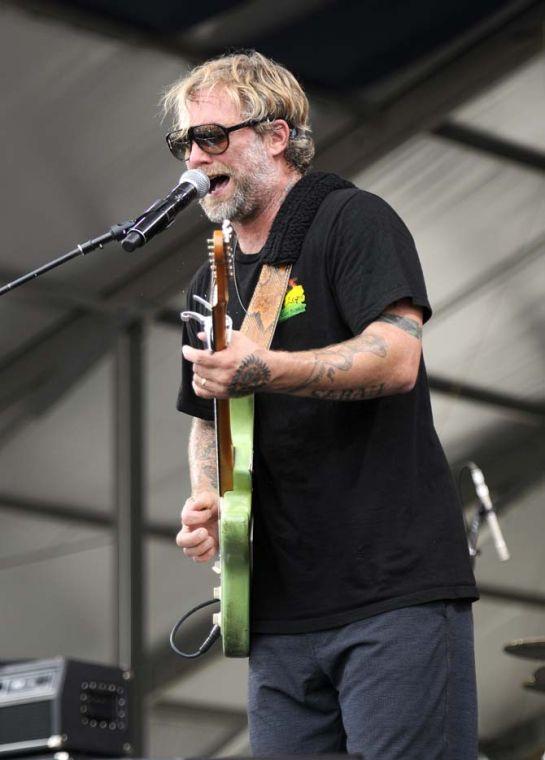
(235, 535)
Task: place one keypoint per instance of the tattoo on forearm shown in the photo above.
(252, 374)
(404, 323)
(351, 394)
(202, 456)
(329, 362)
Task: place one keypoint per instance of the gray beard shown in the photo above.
(249, 193)
(239, 206)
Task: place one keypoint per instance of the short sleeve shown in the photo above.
(372, 261)
(187, 401)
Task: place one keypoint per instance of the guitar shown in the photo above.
(234, 422)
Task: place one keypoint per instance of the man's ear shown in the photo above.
(278, 136)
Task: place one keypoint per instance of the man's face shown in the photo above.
(244, 171)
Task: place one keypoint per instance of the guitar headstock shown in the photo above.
(220, 253)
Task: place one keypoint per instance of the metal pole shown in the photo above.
(129, 478)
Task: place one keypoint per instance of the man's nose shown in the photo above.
(198, 157)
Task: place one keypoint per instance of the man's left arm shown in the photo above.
(383, 360)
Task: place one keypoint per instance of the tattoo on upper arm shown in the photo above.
(410, 326)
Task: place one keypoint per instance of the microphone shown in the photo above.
(192, 184)
(483, 494)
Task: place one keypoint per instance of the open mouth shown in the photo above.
(218, 182)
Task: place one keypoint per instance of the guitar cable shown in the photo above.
(212, 637)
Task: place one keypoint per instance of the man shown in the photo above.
(362, 587)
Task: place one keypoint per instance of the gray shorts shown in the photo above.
(397, 686)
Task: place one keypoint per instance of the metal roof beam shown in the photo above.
(77, 514)
(245, 23)
(496, 274)
(130, 464)
(469, 392)
(237, 746)
(234, 723)
(512, 596)
(59, 296)
(198, 710)
(492, 145)
(380, 128)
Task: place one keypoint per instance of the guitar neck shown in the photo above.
(224, 446)
(222, 413)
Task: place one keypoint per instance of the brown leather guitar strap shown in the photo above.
(262, 315)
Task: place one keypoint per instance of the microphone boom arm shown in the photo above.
(116, 232)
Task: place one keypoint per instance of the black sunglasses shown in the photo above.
(211, 138)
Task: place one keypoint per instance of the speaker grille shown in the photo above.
(25, 722)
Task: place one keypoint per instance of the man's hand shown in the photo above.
(239, 370)
(199, 534)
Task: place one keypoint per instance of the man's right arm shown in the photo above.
(199, 534)
(202, 457)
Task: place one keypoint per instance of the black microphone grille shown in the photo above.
(198, 179)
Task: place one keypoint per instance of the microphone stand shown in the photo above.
(116, 232)
(484, 509)
(473, 534)
(156, 218)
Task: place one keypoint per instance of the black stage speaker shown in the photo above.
(68, 705)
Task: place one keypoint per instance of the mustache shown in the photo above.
(217, 169)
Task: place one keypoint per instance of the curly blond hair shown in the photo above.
(260, 88)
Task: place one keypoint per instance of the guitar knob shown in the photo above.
(216, 567)
(217, 592)
(216, 618)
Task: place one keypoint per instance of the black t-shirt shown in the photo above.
(355, 512)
